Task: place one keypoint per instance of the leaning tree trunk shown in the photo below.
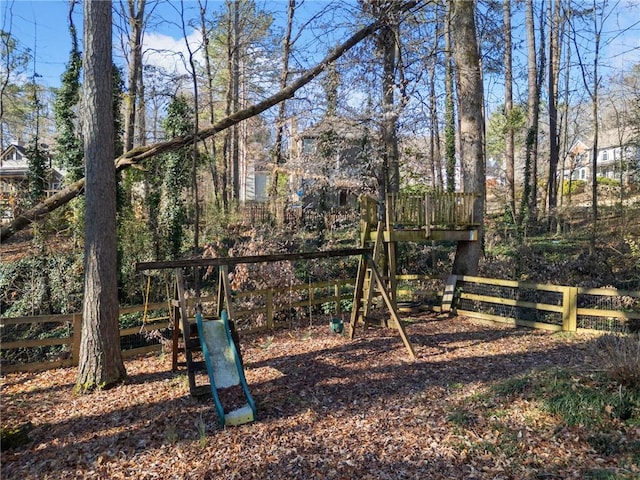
(470, 97)
(101, 362)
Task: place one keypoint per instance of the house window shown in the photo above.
(583, 174)
(605, 155)
(308, 145)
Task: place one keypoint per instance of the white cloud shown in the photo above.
(171, 54)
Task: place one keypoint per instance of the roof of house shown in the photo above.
(344, 127)
(14, 162)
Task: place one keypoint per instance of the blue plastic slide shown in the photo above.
(224, 367)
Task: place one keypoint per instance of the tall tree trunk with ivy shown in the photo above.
(508, 111)
(552, 91)
(101, 364)
(69, 154)
(213, 154)
(524, 215)
(449, 108)
(470, 105)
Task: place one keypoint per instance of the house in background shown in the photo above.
(325, 162)
(14, 180)
(618, 159)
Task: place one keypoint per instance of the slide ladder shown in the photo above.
(224, 367)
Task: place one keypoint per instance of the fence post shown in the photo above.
(77, 335)
(570, 309)
(270, 308)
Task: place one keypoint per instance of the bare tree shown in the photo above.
(139, 154)
(100, 360)
(280, 122)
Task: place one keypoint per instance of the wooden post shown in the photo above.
(392, 309)
(77, 335)
(570, 309)
(175, 337)
(449, 293)
(337, 290)
(269, 302)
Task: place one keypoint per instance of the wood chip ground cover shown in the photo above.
(329, 408)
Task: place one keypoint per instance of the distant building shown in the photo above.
(618, 158)
(326, 162)
(14, 180)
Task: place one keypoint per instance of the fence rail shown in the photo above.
(550, 307)
(66, 326)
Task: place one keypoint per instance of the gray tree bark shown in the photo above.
(470, 98)
(101, 362)
(136, 23)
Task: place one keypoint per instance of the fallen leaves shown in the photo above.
(328, 408)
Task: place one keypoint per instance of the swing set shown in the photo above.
(219, 340)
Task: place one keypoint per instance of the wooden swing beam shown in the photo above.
(227, 261)
(224, 289)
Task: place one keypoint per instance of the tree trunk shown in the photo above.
(449, 110)
(470, 95)
(532, 121)
(552, 87)
(508, 109)
(235, 99)
(284, 76)
(387, 39)
(136, 23)
(101, 362)
(596, 130)
(207, 62)
(194, 147)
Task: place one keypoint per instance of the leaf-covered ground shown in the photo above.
(329, 408)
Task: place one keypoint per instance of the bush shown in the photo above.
(610, 182)
(573, 187)
(620, 356)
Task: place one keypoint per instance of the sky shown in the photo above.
(41, 26)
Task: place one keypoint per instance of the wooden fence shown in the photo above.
(63, 329)
(254, 311)
(433, 210)
(550, 307)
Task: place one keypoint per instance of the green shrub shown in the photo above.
(573, 187)
(608, 182)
